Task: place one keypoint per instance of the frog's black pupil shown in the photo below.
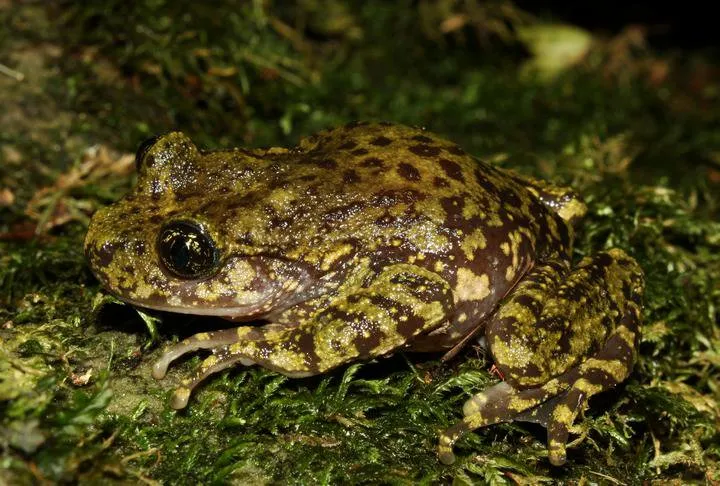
(186, 250)
(180, 253)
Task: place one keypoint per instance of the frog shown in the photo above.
(366, 240)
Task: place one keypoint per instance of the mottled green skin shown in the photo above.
(371, 238)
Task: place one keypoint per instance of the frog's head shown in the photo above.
(170, 244)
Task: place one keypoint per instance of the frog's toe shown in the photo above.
(159, 369)
(560, 421)
(218, 361)
(445, 452)
(180, 398)
(204, 340)
(556, 453)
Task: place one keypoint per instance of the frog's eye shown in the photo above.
(186, 250)
(143, 150)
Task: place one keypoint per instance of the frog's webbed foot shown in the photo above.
(499, 403)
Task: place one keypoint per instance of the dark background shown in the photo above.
(670, 24)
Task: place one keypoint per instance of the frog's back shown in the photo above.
(366, 177)
(402, 194)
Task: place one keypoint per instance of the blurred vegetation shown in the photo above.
(82, 83)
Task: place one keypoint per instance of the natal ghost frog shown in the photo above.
(364, 240)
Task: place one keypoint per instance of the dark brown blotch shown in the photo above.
(139, 248)
(455, 150)
(411, 326)
(406, 328)
(408, 172)
(600, 377)
(104, 255)
(510, 198)
(360, 151)
(381, 141)
(440, 182)
(349, 145)
(302, 344)
(386, 220)
(564, 233)
(452, 169)
(350, 177)
(367, 335)
(484, 181)
(603, 259)
(453, 210)
(280, 223)
(328, 164)
(534, 305)
(422, 139)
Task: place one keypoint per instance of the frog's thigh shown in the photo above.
(555, 318)
(400, 303)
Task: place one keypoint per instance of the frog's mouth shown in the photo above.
(243, 289)
(236, 313)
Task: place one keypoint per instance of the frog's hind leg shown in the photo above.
(543, 345)
(555, 404)
(610, 366)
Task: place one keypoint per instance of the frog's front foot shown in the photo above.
(216, 362)
(219, 342)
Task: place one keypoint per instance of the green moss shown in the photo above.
(77, 403)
